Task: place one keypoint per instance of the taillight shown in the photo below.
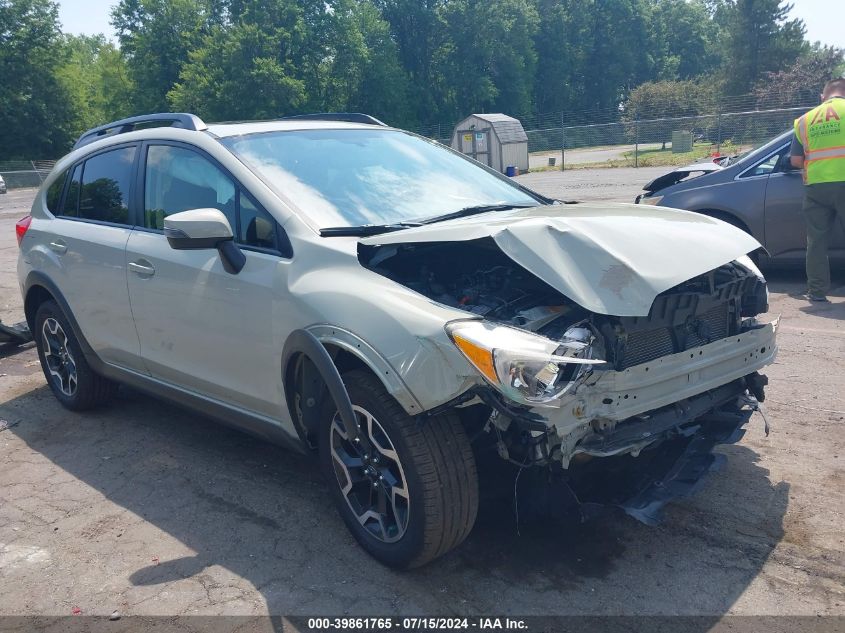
(21, 227)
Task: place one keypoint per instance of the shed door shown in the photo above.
(476, 143)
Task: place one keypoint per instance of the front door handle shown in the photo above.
(59, 247)
(142, 268)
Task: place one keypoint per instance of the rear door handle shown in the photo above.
(59, 247)
(142, 268)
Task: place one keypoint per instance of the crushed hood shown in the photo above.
(609, 258)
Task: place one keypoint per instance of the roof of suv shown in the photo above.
(187, 121)
(252, 127)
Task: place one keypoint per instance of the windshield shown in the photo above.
(356, 177)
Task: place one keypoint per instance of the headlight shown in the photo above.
(528, 368)
(651, 199)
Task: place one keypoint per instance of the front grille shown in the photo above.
(642, 346)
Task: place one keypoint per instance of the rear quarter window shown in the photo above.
(54, 193)
(70, 208)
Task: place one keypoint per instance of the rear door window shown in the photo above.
(104, 195)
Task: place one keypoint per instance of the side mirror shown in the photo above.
(200, 229)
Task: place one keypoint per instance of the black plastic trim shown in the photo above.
(304, 342)
(232, 258)
(184, 243)
(182, 120)
(36, 278)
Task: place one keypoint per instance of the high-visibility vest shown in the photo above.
(822, 133)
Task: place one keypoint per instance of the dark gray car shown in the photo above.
(758, 191)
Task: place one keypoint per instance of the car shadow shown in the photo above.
(8, 350)
(263, 513)
(832, 310)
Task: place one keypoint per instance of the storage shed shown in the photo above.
(497, 140)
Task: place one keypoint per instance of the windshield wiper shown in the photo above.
(366, 229)
(475, 210)
(377, 229)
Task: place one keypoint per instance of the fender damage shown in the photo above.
(671, 304)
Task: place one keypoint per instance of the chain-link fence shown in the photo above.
(664, 141)
(601, 138)
(25, 173)
(618, 138)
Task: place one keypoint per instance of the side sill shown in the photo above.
(254, 424)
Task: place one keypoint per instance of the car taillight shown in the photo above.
(21, 227)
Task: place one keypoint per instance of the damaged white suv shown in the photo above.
(362, 292)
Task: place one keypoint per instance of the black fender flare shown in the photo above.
(36, 278)
(304, 342)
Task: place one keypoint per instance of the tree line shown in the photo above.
(408, 62)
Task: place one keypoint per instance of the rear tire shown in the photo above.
(426, 467)
(76, 386)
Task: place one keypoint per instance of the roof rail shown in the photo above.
(167, 119)
(348, 117)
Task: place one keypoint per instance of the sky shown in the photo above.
(823, 18)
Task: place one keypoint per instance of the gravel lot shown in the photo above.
(148, 509)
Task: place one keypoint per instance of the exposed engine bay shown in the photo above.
(478, 277)
(675, 438)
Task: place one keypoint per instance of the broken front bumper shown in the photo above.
(651, 429)
(618, 395)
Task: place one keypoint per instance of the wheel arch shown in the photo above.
(726, 216)
(35, 296)
(39, 288)
(346, 352)
(734, 220)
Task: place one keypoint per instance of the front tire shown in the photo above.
(415, 497)
(68, 373)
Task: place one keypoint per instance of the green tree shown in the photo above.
(294, 56)
(37, 118)
(562, 52)
(591, 53)
(759, 38)
(488, 60)
(157, 36)
(417, 28)
(379, 85)
(242, 72)
(94, 76)
(803, 81)
(684, 41)
(666, 100)
(662, 99)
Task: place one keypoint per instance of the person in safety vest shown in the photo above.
(818, 148)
